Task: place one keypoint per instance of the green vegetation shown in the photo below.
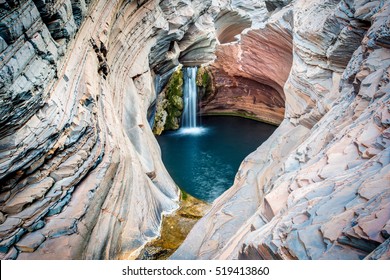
(204, 81)
(161, 115)
(202, 77)
(170, 104)
(184, 195)
(175, 104)
(175, 228)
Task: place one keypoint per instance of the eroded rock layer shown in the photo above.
(80, 169)
(249, 74)
(319, 187)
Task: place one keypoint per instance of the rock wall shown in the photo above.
(319, 187)
(80, 168)
(170, 104)
(250, 71)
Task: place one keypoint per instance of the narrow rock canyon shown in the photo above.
(81, 170)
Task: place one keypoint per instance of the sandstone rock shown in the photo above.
(30, 243)
(16, 22)
(188, 24)
(9, 225)
(257, 10)
(230, 24)
(381, 252)
(11, 255)
(276, 4)
(2, 217)
(79, 8)
(241, 86)
(73, 121)
(27, 196)
(331, 181)
(80, 168)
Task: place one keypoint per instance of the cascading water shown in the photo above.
(190, 97)
(189, 117)
(203, 160)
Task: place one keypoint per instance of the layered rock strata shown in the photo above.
(80, 168)
(249, 73)
(319, 187)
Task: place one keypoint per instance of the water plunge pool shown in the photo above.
(204, 160)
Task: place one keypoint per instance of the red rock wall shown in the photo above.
(249, 75)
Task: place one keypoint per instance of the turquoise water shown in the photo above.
(204, 161)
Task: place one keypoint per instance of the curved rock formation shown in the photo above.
(249, 74)
(229, 24)
(319, 187)
(80, 169)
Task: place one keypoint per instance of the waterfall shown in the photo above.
(190, 98)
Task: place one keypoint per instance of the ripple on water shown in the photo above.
(195, 131)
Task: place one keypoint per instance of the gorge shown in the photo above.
(85, 85)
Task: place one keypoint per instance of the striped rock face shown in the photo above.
(80, 169)
(81, 175)
(319, 187)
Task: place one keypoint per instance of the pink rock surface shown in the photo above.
(319, 187)
(249, 75)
